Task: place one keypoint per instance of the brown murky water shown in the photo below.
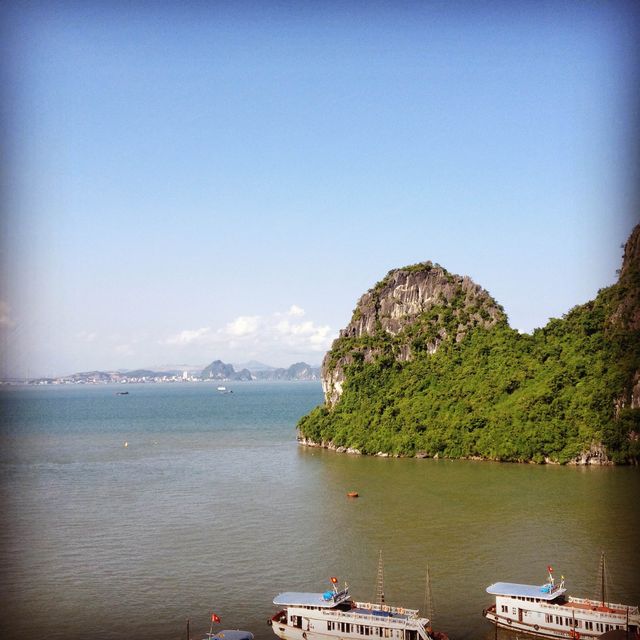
(213, 507)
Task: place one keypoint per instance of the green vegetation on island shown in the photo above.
(564, 393)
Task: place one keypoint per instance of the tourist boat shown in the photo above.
(333, 614)
(547, 612)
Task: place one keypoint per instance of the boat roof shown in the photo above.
(301, 599)
(230, 634)
(525, 590)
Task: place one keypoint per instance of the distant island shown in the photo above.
(429, 367)
(217, 371)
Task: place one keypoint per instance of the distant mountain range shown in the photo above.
(217, 370)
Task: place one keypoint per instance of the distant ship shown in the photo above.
(546, 612)
(332, 614)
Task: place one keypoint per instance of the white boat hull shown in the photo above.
(287, 632)
(534, 630)
(541, 630)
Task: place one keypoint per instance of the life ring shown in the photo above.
(304, 635)
(536, 627)
(575, 634)
(508, 620)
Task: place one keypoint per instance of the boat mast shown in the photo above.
(428, 598)
(602, 579)
(379, 597)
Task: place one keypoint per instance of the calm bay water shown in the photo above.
(214, 507)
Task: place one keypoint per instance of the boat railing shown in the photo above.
(410, 613)
(615, 611)
(616, 608)
(408, 619)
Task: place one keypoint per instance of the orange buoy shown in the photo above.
(352, 494)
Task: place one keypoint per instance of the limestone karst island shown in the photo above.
(429, 367)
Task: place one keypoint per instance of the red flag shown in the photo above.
(550, 569)
(334, 580)
(214, 618)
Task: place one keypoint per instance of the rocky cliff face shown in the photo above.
(627, 312)
(413, 309)
(625, 317)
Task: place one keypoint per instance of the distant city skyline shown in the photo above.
(191, 182)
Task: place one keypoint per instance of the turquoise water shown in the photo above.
(213, 506)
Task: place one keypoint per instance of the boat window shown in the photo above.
(548, 617)
(588, 625)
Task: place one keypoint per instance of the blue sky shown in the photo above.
(224, 180)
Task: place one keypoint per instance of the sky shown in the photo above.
(190, 182)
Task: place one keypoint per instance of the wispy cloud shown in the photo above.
(243, 326)
(87, 336)
(190, 336)
(6, 319)
(124, 350)
(284, 331)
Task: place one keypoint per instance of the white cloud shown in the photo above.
(278, 333)
(190, 336)
(243, 326)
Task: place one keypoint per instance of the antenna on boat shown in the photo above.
(602, 584)
(428, 598)
(379, 597)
